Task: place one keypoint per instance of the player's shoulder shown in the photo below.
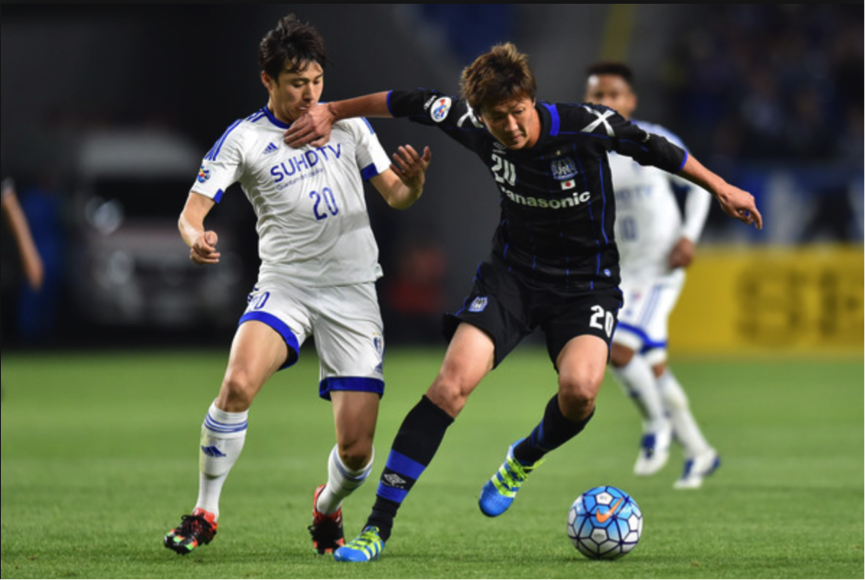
(244, 132)
(578, 110)
(577, 117)
(659, 130)
(356, 126)
(243, 125)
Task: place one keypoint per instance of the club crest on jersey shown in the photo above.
(479, 304)
(440, 109)
(563, 169)
(203, 174)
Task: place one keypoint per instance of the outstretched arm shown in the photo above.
(314, 127)
(402, 184)
(202, 243)
(31, 261)
(735, 202)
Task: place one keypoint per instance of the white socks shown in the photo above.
(222, 438)
(684, 425)
(639, 382)
(341, 482)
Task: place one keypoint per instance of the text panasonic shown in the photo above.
(562, 203)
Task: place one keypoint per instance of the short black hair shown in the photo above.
(292, 44)
(618, 69)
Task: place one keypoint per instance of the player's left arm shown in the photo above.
(402, 184)
(650, 149)
(735, 202)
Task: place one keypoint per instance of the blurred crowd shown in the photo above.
(765, 82)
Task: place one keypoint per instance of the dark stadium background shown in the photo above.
(760, 93)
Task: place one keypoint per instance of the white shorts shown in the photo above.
(344, 321)
(643, 318)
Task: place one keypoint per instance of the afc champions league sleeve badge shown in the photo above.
(440, 109)
(203, 174)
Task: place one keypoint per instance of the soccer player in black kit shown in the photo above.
(553, 264)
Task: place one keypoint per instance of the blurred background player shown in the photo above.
(16, 220)
(656, 243)
(553, 264)
(319, 264)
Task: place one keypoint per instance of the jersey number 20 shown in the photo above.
(329, 200)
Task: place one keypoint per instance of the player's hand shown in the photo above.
(313, 128)
(682, 254)
(203, 251)
(411, 167)
(740, 204)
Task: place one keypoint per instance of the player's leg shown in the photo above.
(634, 375)
(350, 343)
(642, 325)
(578, 329)
(257, 352)
(467, 360)
(581, 363)
(701, 459)
(348, 467)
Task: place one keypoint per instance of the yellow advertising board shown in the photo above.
(786, 300)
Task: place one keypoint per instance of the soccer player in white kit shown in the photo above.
(656, 244)
(319, 264)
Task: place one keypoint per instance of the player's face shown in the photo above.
(294, 93)
(611, 91)
(515, 124)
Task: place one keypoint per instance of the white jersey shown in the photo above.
(313, 224)
(648, 220)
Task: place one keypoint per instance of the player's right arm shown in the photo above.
(315, 126)
(201, 242)
(31, 261)
(220, 169)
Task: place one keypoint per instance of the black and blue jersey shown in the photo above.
(556, 198)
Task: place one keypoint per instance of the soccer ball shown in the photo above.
(605, 523)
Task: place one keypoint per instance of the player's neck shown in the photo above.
(278, 115)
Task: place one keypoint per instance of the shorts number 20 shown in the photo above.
(602, 320)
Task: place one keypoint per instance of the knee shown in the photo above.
(577, 394)
(450, 391)
(237, 392)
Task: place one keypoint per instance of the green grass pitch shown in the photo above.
(99, 460)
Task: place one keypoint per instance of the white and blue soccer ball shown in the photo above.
(605, 523)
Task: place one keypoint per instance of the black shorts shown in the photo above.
(509, 308)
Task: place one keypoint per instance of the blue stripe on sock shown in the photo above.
(399, 463)
(392, 493)
(217, 427)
